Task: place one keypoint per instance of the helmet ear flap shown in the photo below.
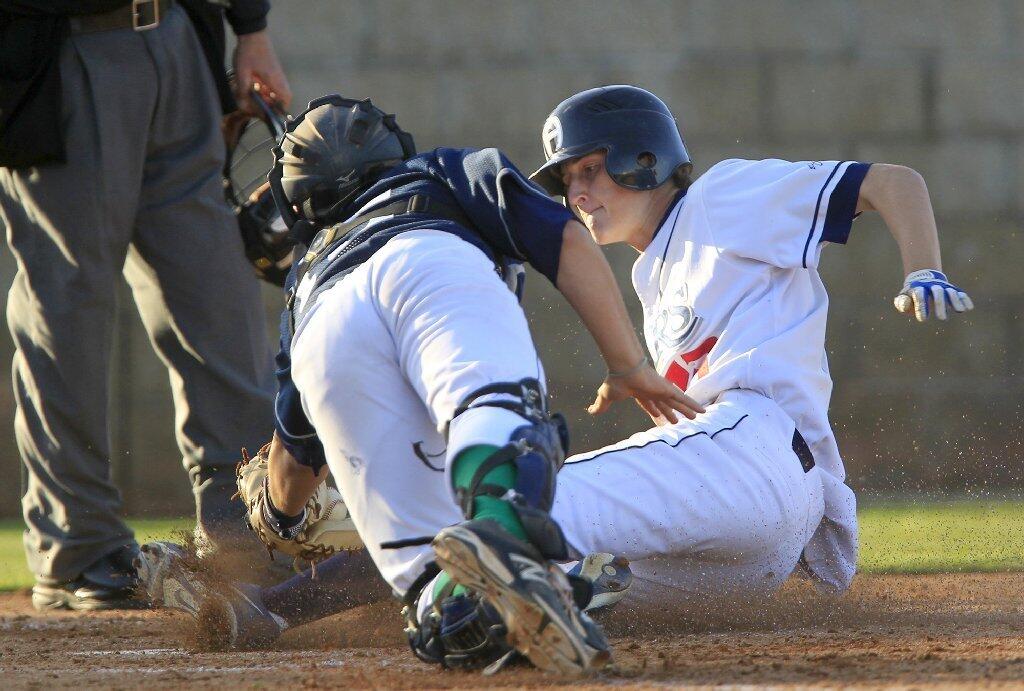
(682, 176)
(408, 146)
(404, 138)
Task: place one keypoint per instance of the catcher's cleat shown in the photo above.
(532, 596)
(609, 576)
(229, 616)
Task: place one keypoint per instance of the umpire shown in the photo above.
(111, 152)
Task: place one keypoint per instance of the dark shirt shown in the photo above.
(31, 35)
(59, 7)
(510, 219)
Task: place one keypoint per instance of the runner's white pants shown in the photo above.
(714, 506)
(383, 358)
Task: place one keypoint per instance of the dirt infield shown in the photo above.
(947, 630)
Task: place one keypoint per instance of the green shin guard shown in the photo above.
(464, 467)
(463, 470)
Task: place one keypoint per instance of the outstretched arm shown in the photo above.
(587, 282)
(288, 507)
(291, 484)
(900, 195)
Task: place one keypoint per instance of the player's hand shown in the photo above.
(656, 395)
(326, 526)
(256, 66)
(928, 291)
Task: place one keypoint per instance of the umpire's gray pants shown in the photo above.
(140, 193)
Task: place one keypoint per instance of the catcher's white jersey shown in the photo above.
(732, 299)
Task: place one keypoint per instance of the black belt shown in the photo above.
(139, 15)
(802, 451)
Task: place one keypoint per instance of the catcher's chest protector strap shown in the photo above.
(328, 238)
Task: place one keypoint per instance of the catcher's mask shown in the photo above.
(330, 153)
(249, 145)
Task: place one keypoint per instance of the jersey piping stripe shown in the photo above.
(817, 207)
(658, 441)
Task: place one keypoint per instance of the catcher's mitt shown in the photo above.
(327, 527)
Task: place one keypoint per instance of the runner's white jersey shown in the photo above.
(732, 300)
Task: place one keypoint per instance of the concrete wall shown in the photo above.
(937, 85)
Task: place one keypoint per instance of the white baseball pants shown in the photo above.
(383, 359)
(718, 505)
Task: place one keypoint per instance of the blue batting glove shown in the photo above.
(927, 290)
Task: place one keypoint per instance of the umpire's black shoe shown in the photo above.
(109, 583)
(532, 596)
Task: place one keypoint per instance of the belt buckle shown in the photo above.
(138, 24)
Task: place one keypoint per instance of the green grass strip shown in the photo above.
(942, 537)
(14, 574)
(899, 537)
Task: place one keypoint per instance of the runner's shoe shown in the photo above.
(610, 579)
(228, 616)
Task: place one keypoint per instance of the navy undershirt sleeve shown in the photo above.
(842, 204)
(517, 217)
(536, 221)
(293, 428)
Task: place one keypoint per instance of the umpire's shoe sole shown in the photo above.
(108, 583)
(82, 597)
(533, 597)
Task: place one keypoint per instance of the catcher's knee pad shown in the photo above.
(456, 631)
(537, 450)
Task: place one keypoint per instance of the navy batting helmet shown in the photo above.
(633, 125)
(330, 153)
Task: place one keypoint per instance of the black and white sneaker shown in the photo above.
(609, 576)
(533, 596)
(228, 615)
(108, 583)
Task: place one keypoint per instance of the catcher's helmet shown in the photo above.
(633, 125)
(330, 153)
